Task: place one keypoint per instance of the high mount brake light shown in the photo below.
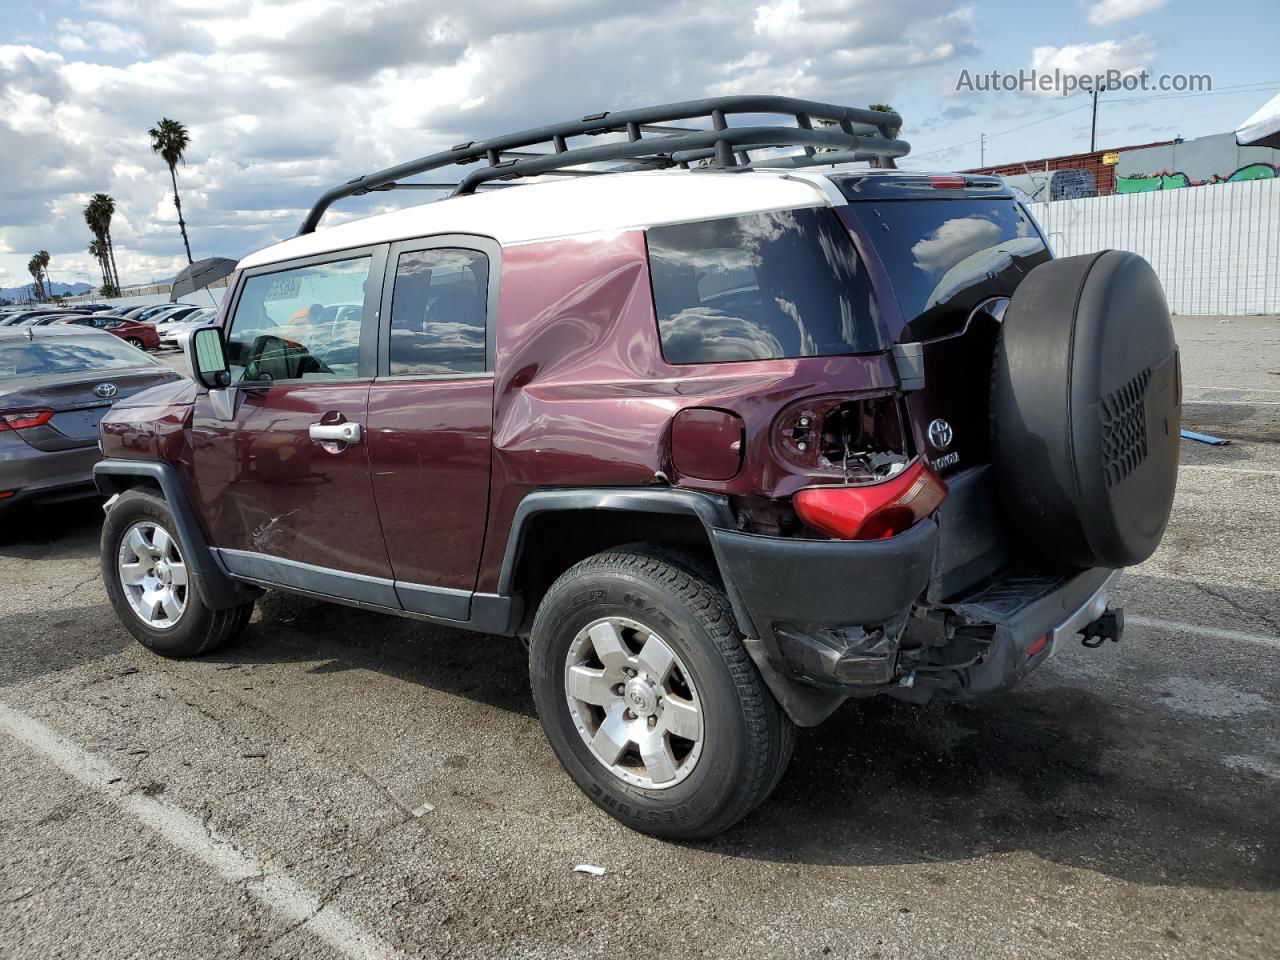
(873, 512)
(948, 183)
(28, 418)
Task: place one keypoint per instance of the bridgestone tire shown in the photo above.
(1086, 411)
(199, 629)
(747, 738)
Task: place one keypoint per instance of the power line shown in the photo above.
(1225, 92)
(991, 136)
(1234, 90)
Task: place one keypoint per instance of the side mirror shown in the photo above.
(207, 358)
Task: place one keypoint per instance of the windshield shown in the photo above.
(944, 257)
(74, 354)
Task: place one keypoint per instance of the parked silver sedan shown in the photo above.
(56, 382)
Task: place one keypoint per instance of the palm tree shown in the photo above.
(37, 286)
(98, 250)
(42, 259)
(97, 214)
(170, 139)
(107, 205)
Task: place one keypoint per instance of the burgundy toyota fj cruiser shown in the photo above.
(729, 440)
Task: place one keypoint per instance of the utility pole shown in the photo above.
(982, 149)
(1093, 127)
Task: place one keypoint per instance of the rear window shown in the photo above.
(761, 287)
(54, 355)
(944, 257)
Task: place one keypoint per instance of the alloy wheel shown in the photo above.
(633, 703)
(153, 574)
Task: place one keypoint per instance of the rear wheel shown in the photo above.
(135, 342)
(148, 581)
(649, 698)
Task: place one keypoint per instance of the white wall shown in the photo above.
(1215, 248)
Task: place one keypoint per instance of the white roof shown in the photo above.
(1264, 124)
(582, 205)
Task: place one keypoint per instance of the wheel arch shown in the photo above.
(554, 529)
(115, 477)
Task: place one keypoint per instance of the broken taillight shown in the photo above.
(872, 511)
(28, 418)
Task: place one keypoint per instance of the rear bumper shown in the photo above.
(38, 475)
(844, 618)
(1031, 618)
(827, 583)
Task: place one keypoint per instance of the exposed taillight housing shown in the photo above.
(872, 511)
(25, 419)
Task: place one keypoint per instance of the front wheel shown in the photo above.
(149, 584)
(649, 698)
(134, 342)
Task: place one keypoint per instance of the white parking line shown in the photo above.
(1195, 629)
(1214, 466)
(1233, 403)
(295, 903)
(1187, 386)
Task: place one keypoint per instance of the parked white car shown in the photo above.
(171, 334)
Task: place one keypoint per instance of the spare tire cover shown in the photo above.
(1086, 401)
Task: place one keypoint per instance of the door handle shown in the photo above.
(339, 432)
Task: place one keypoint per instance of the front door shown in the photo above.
(430, 416)
(283, 483)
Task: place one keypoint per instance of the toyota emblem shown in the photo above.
(106, 390)
(940, 434)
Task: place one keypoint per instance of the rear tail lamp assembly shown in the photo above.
(25, 420)
(874, 511)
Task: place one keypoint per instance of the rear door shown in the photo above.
(284, 502)
(430, 416)
(951, 263)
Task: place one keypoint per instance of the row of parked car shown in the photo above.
(148, 327)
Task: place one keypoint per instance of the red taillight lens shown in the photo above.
(872, 512)
(947, 183)
(28, 418)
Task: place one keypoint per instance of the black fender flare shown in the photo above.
(216, 588)
(804, 704)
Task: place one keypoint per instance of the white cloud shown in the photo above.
(283, 98)
(1106, 12)
(1095, 59)
(97, 35)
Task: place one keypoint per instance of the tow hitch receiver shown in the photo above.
(1109, 626)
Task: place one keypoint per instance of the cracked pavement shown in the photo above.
(1124, 802)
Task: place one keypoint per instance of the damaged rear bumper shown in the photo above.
(831, 619)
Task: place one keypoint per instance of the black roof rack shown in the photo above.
(656, 137)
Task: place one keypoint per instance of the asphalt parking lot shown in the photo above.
(338, 784)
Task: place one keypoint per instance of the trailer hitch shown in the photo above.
(1109, 626)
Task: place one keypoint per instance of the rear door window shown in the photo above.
(944, 257)
(300, 324)
(439, 308)
(761, 287)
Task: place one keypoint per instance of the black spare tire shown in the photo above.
(1086, 399)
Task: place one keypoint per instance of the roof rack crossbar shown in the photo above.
(811, 125)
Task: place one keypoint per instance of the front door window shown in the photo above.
(300, 324)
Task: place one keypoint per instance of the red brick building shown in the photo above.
(1104, 174)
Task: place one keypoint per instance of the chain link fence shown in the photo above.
(1216, 248)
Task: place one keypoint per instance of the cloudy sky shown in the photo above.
(285, 98)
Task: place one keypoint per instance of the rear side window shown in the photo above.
(761, 287)
(300, 324)
(438, 313)
(944, 257)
